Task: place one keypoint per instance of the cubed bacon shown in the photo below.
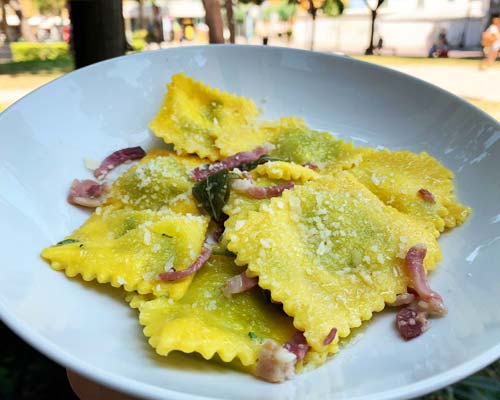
(275, 363)
(298, 345)
(86, 193)
(411, 323)
(421, 301)
(426, 196)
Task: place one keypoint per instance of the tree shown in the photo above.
(374, 11)
(142, 22)
(3, 22)
(213, 18)
(98, 30)
(230, 20)
(25, 29)
(331, 8)
(51, 7)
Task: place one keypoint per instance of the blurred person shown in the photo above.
(491, 42)
(440, 47)
(155, 28)
(168, 31)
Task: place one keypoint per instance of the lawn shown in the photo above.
(59, 66)
(393, 60)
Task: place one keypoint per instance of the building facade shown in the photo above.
(406, 27)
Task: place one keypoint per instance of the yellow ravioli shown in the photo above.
(396, 178)
(297, 143)
(185, 118)
(130, 248)
(159, 180)
(202, 120)
(331, 252)
(207, 322)
(135, 300)
(286, 171)
(240, 204)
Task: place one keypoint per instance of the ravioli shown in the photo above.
(328, 252)
(267, 174)
(207, 322)
(202, 120)
(297, 143)
(331, 252)
(159, 180)
(130, 248)
(396, 178)
(286, 171)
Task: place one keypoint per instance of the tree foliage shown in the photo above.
(51, 7)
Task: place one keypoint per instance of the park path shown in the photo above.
(465, 81)
(462, 80)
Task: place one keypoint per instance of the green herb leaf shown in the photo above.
(222, 251)
(253, 164)
(212, 193)
(66, 241)
(253, 335)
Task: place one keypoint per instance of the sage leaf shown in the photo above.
(212, 193)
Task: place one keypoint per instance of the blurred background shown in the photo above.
(441, 41)
(450, 43)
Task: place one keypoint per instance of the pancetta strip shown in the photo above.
(418, 279)
(173, 275)
(239, 284)
(260, 192)
(231, 162)
(117, 158)
(329, 338)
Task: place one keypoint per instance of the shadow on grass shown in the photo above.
(59, 65)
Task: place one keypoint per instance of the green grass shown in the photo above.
(60, 66)
(393, 60)
(484, 385)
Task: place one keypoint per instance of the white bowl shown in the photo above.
(96, 110)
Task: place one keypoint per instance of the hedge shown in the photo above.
(32, 51)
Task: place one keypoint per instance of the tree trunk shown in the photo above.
(213, 19)
(3, 22)
(369, 50)
(142, 23)
(97, 30)
(230, 20)
(25, 29)
(313, 30)
(313, 11)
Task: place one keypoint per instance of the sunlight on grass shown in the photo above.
(393, 60)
